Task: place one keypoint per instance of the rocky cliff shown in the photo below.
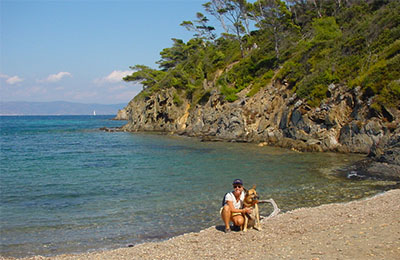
(381, 163)
(122, 114)
(345, 122)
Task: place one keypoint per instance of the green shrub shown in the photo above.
(177, 100)
(231, 97)
(382, 73)
(229, 93)
(315, 86)
(318, 93)
(392, 50)
(391, 94)
(326, 30)
(292, 72)
(260, 83)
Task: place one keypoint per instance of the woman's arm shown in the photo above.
(233, 210)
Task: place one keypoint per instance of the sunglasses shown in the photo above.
(237, 186)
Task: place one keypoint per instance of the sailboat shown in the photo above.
(94, 112)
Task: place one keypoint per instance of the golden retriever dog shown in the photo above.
(251, 201)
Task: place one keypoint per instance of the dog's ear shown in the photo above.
(254, 186)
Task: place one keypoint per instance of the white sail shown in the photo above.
(94, 112)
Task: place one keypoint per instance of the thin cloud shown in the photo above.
(85, 96)
(117, 87)
(11, 80)
(114, 77)
(56, 77)
(14, 80)
(125, 96)
(29, 93)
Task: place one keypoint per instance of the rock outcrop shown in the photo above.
(381, 163)
(343, 123)
(122, 114)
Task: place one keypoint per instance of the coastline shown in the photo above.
(363, 229)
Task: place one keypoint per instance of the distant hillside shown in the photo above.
(57, 108)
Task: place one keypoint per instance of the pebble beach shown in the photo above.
(363, 229)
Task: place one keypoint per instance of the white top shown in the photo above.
(231, 197)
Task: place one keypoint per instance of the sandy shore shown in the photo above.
(365, 229)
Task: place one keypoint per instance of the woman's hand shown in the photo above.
(247, 210)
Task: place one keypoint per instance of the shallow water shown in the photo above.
(68, 187)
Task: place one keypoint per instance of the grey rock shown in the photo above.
(298, 103)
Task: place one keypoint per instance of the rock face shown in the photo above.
(382, 163)
(122, 115)
(345, 122)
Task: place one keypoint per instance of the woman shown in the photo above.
(232, 210)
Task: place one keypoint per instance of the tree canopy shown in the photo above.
(308, 44)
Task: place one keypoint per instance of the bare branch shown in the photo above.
(276, 209)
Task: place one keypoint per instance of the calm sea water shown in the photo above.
(68, 187)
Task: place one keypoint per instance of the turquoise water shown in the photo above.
(68, 187)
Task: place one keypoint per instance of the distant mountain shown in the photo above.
(57, 108)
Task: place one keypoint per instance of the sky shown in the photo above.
(79, 50)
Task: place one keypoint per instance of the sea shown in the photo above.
(68, 187)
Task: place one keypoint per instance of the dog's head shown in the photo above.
(251, 197)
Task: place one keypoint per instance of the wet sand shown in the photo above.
(364, 229)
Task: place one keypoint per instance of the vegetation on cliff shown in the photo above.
(307, 45)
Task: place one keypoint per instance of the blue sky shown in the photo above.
(78, 50)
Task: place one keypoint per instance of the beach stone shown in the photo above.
(355, 230)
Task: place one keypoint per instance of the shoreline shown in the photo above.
(368, 228)
(378, 163)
